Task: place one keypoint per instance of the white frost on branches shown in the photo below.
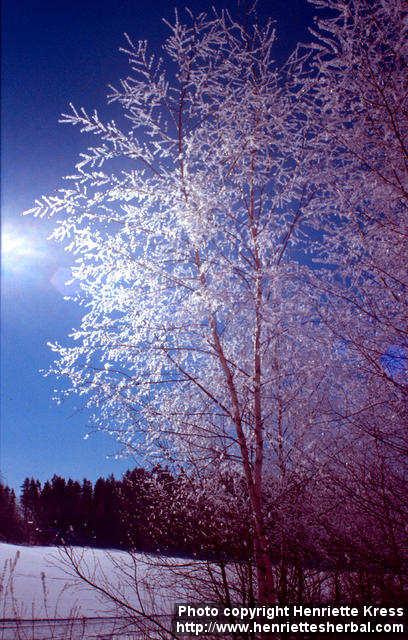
(238, 243)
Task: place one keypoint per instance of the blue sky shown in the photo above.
(54, 53)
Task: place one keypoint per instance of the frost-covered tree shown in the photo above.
(359, 86)
(207, 242)
(360, 90)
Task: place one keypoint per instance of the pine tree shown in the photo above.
(30, 500)
(11, 523)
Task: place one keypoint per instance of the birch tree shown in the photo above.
(205, 230)
(360, 61)
(361, 91)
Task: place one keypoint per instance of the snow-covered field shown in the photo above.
(42, 584)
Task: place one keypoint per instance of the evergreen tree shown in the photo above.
(137, 507)
(106, 513)
(31, 506)
(85, 533)
(11, 524)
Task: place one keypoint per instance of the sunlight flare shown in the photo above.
(18, 249)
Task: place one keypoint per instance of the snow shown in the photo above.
(40, 583)
(38, 568)
(50, 569)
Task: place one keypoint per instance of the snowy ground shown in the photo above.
(51, 593)
(40, 583)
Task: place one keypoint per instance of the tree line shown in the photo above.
(343, 526)
(146, 510)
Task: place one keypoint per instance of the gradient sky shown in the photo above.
(55, 52)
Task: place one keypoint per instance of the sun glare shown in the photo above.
(18, 249)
